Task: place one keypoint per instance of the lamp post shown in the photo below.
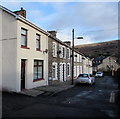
(73, 54)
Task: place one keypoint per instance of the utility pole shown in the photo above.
(72, 56)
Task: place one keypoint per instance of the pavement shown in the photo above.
(49, 90)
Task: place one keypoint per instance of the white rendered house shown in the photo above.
(24, 53)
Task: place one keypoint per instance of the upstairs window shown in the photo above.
(68, 53)
(54, 49)
(23, 37)
(37, 42)
(64, 52)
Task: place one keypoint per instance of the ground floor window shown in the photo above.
(38, 70)
(68, 69)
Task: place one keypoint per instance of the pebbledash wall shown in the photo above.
(12, 53)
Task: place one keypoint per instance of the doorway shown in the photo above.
(63, 72)
(23, 63)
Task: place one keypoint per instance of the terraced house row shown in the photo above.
(33, 57)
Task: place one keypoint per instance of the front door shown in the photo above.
(23, 74)
(64, 72)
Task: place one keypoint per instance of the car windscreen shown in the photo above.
(99, 73)
(83, 75)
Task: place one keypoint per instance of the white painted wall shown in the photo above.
(110, 61)
(9, 35)
(30, 55)
(0, 51)
(78, 70)
(0, 63)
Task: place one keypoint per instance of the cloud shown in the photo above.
(11, 5)
(86, 17)
(95, 21)
(34, 15)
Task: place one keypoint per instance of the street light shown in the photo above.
(73, 54)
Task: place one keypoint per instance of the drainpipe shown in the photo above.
(46, 57)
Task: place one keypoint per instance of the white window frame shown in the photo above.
(80, 58)
(64, 56)
(75, 71)
(60, 49)
(77, 57)
(68, 53)
(68, 64)
(54, 49)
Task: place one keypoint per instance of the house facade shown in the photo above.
(109, 64)
(106, 64)
(32, 57)
(24, 57)
(60, 60)
(97, 61)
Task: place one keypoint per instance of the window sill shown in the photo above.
(25, 47)
(38, 80)
(54, 56)
(39, 50)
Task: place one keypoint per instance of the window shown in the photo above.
(68, 53)
(23, 37)
(37, 42)
(68, 69)
(83, 75)
(60, 49)
(38, 70)
(80, 58)
(77, 57)
(53, 71)
(54, 49)
(63, 52)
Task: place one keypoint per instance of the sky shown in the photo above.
(94, 21)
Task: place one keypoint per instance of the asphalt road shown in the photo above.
(82, 101)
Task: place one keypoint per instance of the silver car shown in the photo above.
(85, 78)
(99, 74)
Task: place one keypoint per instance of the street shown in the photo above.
(83, 101)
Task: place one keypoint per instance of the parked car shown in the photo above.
(99, 74)
(85, 78)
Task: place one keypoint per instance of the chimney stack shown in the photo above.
(21, 12)
(68, 43)
(53, 33)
